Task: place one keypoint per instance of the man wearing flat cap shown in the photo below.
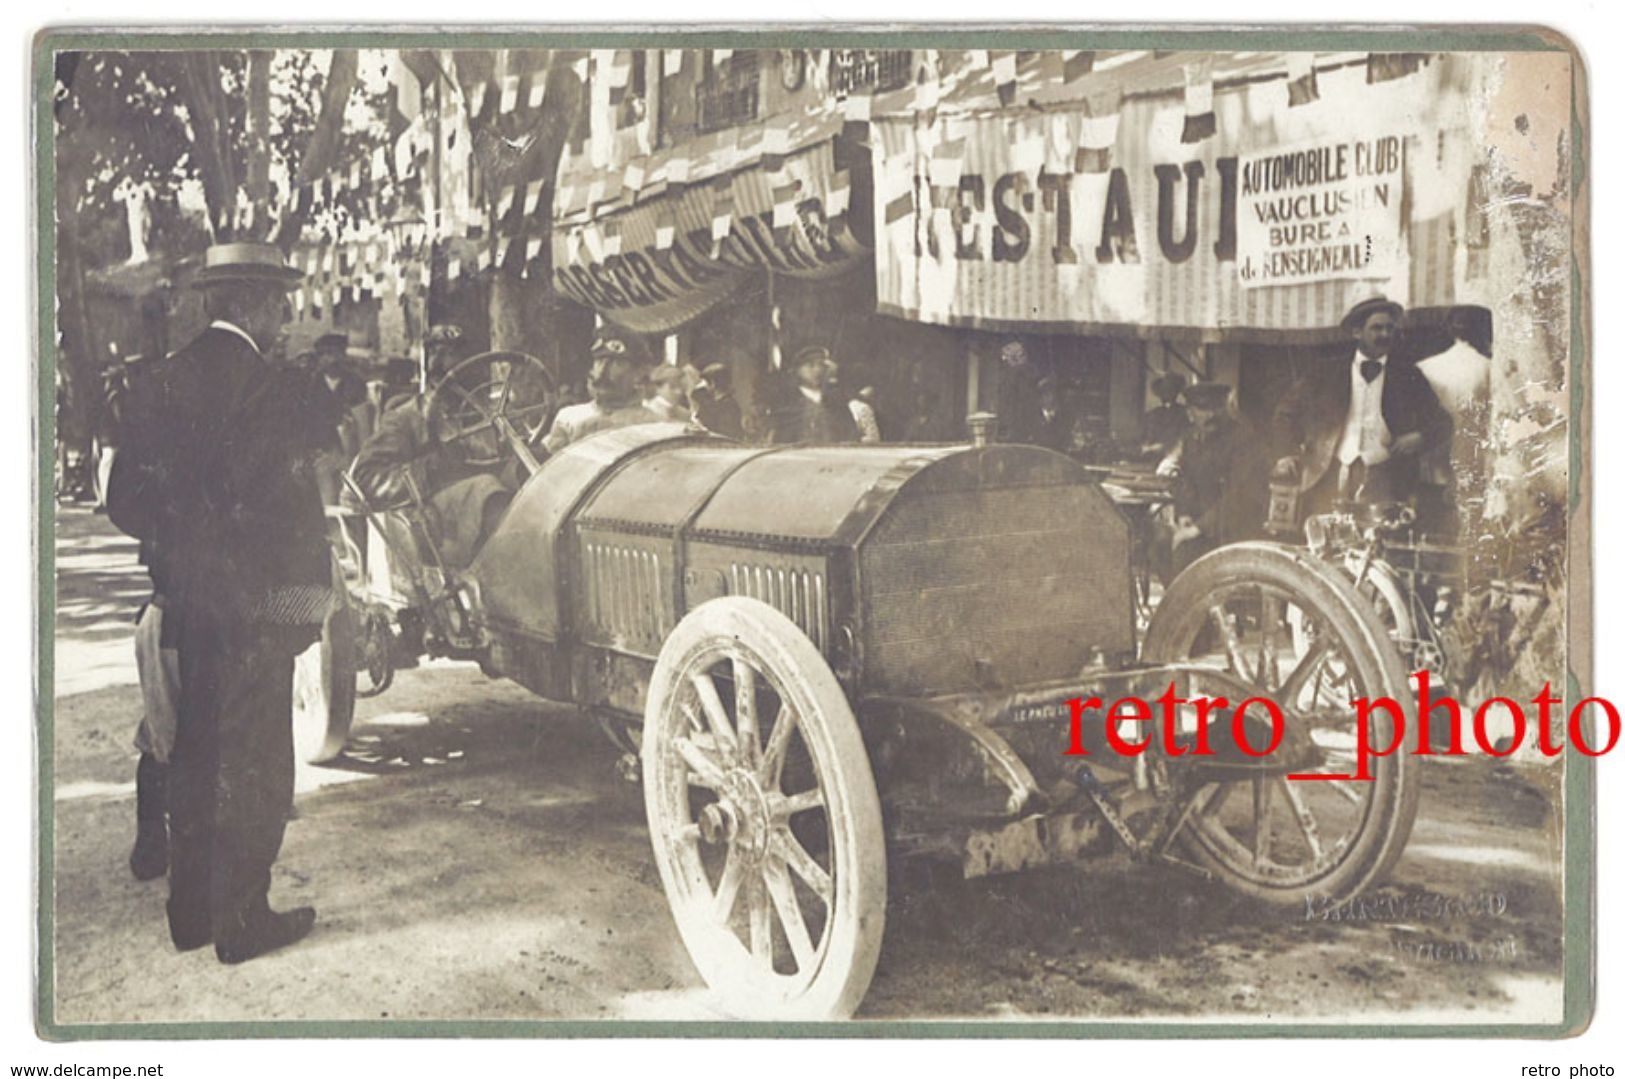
(620, 365)
(1355, 429)
(1219, 493)
(811, 413)
(219, 484)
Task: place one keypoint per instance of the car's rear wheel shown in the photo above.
(1286, 627)
(324, 690)
(764, 815)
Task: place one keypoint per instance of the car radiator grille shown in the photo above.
(798, 594)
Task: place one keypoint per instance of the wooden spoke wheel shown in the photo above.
(1287, 627)
(464, 406)
(764, 815)
(324, 690)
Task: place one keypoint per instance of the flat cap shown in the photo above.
(613, 343)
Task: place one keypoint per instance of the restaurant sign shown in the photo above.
(1004, 221)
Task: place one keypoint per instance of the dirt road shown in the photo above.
(475, 856)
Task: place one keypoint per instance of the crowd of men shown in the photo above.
(227, 457)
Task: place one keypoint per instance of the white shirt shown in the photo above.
(575, 422)
(1460, 376)
(229, 327)
(1365, 432)
(815, 396)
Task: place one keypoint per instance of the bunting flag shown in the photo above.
(1200, 122)
(784, 203)
(1098, 134)
(1075, 64)
(721, 55)
(505, 201)
(476, 99)
(538, 90)
(1301, 86)
(1386, 66)
(856, 107)
(1027, 148)
(1004, 77)
(672, 63)
(977, 59)
(900, 207)
(510, 94)
(634, 174)
(677, 169)
(533, 196)
(947, 164)
(839, 198)
(620, 69)
(533, 248)
(503, 246)
(612, 237)
(665, 229)
(454, 269)
(722, 215)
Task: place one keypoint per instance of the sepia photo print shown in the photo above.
(854, 530)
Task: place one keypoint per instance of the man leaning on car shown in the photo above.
(218, 480)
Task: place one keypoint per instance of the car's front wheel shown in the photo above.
(764, 815)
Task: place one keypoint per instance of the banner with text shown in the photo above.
(1278, 220)
(1321, 211)
(657, 265)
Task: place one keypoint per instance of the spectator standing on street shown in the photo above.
(219, 476)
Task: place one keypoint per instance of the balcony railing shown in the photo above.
(729, 93)
(869, 69)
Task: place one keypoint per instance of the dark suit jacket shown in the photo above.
(1310, 418)
(217, 480)
(800, 419)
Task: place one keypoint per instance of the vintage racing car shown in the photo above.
(828, 660)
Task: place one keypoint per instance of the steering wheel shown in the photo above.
(466, 405)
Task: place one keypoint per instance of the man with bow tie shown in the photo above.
(1355, 430)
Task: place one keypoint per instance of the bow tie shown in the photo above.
(1370, 369)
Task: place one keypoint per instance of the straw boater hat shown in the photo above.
(1360, 312)
(246, 262)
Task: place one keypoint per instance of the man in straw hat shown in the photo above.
(218, 483)
(1355, 429)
